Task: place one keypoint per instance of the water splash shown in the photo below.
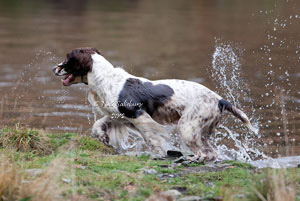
(241, 144)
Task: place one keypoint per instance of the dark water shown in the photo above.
(154, 39)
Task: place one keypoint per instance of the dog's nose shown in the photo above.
(56, 70)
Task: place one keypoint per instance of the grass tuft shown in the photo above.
(25, 140)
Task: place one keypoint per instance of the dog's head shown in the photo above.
(76, 66)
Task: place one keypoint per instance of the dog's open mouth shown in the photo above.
(67, 81)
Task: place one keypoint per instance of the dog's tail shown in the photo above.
(225, 105)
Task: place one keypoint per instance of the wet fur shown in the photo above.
(193, 108)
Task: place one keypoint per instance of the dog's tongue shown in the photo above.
(68, 79)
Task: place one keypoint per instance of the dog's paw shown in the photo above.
(104, 138)
(208, 156)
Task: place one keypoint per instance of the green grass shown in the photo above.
(96, 172)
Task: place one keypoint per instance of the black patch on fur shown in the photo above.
(79, 61)
(137, 92)
(224, 105)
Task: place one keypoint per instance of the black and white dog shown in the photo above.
(128, 102)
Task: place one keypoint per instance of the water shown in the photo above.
(226, 72)
(254, 43)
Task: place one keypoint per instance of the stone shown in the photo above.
(149, 171)
(181, 189)
(34, 172)
(66, 180)
(191, 198)
(169, 195)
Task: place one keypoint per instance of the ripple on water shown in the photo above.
(63, 128)
(7, 84)
(61, 114)
(75, 107)
(9, 76)
(62, 98)
(43, 80)
(51, 91)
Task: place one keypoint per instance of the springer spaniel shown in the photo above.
(130, 104)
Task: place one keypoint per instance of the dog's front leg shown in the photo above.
(96, 104)
(100, 128)
(153, 133)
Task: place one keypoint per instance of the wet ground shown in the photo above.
(155, 39)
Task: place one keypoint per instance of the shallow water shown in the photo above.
(155, 39)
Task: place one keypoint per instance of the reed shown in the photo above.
(276, 185)
(16, 184)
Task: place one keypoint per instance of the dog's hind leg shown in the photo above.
(154, 134)
(195, 127)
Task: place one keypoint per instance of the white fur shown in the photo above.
(109, 78)
(106, 82)
(196, 105)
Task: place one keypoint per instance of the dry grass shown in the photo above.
(25, 140)
(277, 185)
(16, 184)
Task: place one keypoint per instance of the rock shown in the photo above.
(174, 154)
(191, 198)
(166, 175)
(149, 171)
(80, 167)
(34, 172)
(169, 195)
(164, 166)
(186, 160)
(181, 189)
(210, 184)
(66, 180)
(131, 153)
